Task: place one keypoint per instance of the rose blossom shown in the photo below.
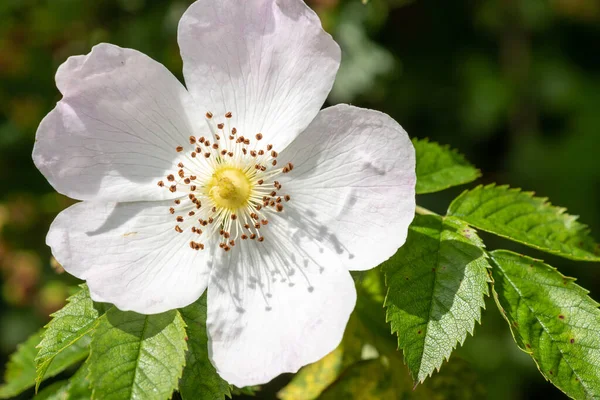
(237, 185)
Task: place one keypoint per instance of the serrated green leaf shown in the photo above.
(440, 167)
(200, 380)
(436, 287)
(552, 319)
(137, 356)
(530, 220)
(69, 324)
(20, 371)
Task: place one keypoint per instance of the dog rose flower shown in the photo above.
(237, 184)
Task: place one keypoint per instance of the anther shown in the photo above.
(193, 154)
(193, 187)
(259, 136)
(181, 173)
(206, 155)
(192, 139)
(180, 165)
(161, 183)
(172, 210)
(180, 219)
(269, 147)
(261, 239)
(187, 181)
(178, 229)
(201, 140)
(279, 207)
(191, 213)
(215, 146)
(220, 126)
(177, 201)
(287, 197)
(209, 115)
(260, 182)
(228, 114)
(261, 152)
(274, 162)
(233, 217)
(233, 130)
(173, 188)
(179, 149)
(244, 237)
(170, 178)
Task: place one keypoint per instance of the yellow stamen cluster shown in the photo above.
(228, 186)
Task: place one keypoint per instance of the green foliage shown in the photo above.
(68, 326)
(440, 167)
(530, 220)
(200, 380)
(552, 319)
(56, 391)
(21, 373)
(436, 287)
(76, 388)
(310, 382)
(368, 379)
(137, 356)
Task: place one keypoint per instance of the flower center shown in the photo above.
(228, 184)
(229, 187)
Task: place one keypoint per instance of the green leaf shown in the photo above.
(69, 325)
(519, 216)
(137, 356)
(79, 385)
(20, 371)
(200, 379)
(440, 167)
(310, 382)
(552, 319)
(436, 286)
(56, 391)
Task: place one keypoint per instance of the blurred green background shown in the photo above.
(513, 84)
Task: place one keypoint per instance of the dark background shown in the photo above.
(513, 84)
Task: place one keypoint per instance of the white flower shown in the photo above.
(238, 184)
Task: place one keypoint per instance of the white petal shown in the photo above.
(269, 62)
(354, 178)
(130, 255)
(114, 133)
(274, 307)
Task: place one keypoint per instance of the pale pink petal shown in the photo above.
(275, 306)
(130, 255)
(113, 135)
(353, 183)
(269, 62)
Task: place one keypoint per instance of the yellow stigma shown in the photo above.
(229, 187)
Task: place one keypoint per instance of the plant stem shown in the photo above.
(423, 211)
